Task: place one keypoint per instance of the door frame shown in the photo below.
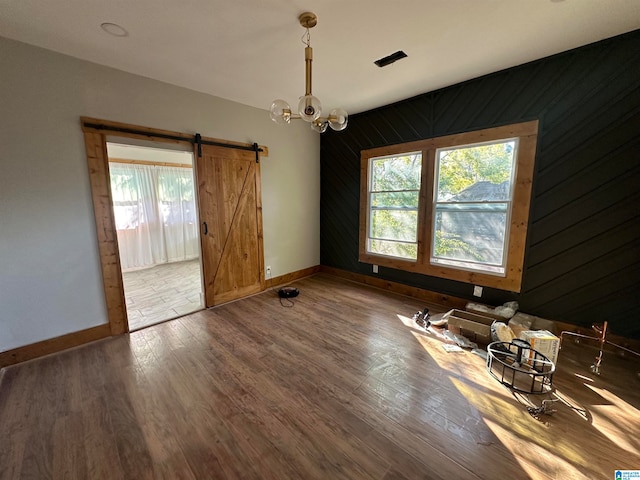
(95, 133)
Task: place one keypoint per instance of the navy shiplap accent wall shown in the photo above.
(582, 261)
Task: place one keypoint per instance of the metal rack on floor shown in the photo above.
(521, 368)
(601, 330)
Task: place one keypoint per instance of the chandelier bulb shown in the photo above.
(280, 112)
(338, 119)
(309, 108)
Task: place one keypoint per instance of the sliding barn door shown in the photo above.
(231, 223)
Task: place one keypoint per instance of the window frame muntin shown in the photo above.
(527, 133)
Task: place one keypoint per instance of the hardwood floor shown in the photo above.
(342, 385)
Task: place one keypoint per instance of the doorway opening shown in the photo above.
(155, 211)
(228, 204)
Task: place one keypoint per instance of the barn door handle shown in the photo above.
(206, 228)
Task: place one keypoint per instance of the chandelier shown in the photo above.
(309, 107)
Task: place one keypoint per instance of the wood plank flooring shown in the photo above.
(340, 386)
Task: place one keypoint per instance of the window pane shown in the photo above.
(395, 199)
(473, 191)
(472, 236)
(124, 186)
(396, 173)
(394, 224)
(393, 205)
(478, 173)
(394, 249)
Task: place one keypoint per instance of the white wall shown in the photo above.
(50, 280)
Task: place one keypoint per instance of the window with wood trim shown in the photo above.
(455, 207)
(394, 188)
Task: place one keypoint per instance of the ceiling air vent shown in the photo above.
(388, 60)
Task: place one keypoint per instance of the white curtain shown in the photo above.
(155, 214)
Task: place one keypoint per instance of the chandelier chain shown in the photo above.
(306, 38)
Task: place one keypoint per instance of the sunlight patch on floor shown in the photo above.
(582, 377)
(517, 421)
(463, 364)
(408, 322)
(619, 421)
(537, 461)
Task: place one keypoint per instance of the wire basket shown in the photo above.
(521, 368)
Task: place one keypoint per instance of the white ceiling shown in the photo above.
(250, 51)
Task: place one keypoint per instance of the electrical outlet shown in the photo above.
(268, 272)
(477, 291)
(375, 269)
